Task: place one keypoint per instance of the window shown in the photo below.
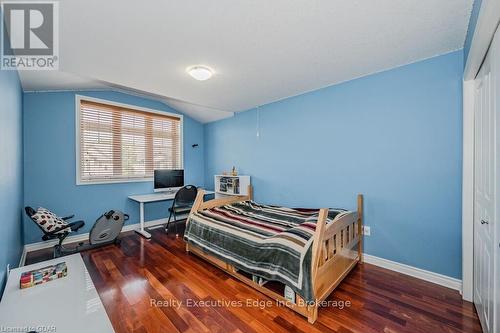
(120, 143)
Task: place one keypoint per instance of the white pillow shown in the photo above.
(49, 221)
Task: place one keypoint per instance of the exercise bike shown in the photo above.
(105, 230)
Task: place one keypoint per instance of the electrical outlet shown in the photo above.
(366, 230)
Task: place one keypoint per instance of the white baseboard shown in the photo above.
(422, 274)
(81, 238)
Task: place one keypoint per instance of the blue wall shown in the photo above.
(395, 136)
(472, 27)
(49, 168)
(11, 168)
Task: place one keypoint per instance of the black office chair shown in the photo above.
(183, 201)
(56, 233)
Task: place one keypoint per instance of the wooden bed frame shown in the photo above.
(336, 250)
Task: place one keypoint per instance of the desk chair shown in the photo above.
(183, 201)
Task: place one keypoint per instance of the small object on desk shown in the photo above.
(42, 275)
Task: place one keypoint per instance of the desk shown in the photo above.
(68, 304)
(152, 197)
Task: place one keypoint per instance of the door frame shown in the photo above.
(487, 23)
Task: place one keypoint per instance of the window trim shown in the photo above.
(79, 99)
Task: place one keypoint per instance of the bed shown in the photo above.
(309, 251)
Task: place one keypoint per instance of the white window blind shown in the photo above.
(123, 144)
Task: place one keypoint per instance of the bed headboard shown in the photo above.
(200, 204)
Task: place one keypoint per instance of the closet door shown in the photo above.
(485, 193)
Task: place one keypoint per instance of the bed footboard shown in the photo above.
(337, 248)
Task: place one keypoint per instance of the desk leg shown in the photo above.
(141, 230)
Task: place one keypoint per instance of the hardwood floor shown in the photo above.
(132, 277)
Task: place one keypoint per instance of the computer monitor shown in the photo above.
(166, 180)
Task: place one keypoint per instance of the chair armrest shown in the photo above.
(68, 217)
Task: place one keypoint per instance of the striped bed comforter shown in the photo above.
(268, 241)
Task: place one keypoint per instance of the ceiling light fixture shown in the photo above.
(200, 73)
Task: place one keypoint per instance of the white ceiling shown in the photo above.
(262, 51)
